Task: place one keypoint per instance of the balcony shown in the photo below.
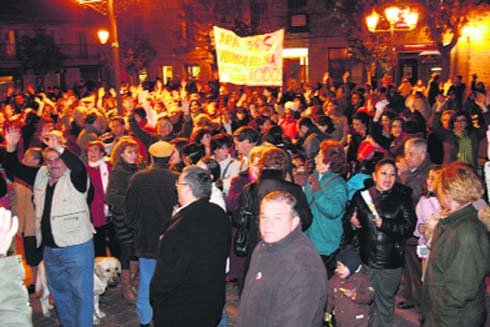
(75, 53)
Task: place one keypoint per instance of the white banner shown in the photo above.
(253, 60)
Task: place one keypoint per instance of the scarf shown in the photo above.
(465, 149)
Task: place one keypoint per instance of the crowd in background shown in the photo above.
(324, 143)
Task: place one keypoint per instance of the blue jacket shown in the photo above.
(327, 206)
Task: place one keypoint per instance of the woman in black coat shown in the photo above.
(383, 217)
(126, 161)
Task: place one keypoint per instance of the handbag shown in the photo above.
(245, 214)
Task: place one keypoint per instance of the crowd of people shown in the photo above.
(318, 200)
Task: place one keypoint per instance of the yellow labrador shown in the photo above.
(107, 271)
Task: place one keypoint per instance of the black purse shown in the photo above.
(241, 237)
(245, 214)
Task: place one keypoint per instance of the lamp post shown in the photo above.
(114, 44)
(398, 19)
(103, 36)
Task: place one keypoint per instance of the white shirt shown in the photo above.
(227, 174)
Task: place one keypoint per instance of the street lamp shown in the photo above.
(103, 36)
(397, 19)
(109, 10)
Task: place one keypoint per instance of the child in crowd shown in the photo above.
(300, 171)
(427, 211)
(349, 291)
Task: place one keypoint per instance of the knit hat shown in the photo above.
(349, 258)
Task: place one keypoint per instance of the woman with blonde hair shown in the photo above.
(126, 161)
(454, 288)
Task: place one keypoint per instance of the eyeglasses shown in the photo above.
(460, 120)
(180, 184)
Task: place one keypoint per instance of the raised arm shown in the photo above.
(12, 164)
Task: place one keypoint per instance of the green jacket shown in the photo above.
(327, 206)
(454, 289)
(14, 300)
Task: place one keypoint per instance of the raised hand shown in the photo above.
(101, 92)
(53, 140)
(185, 106)
(12, 137)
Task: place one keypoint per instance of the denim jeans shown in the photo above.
(224, 319)
(143, 307)
(70, 275)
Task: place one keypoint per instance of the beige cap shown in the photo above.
(161, 149)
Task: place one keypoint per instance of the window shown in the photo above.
(7, 43)
(193, 71)
(167, 73)
(339, 62)
(10, 46)
(82, 39)
(295, 5)
(298, 23)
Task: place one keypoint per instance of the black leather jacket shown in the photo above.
(382, 248)
(271, 180)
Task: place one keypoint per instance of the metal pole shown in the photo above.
(115, 55)
(393, 51)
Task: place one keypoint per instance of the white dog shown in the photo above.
(107, 271)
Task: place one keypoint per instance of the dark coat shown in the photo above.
(454, 288)
(236, 187)
(286, 285)
(382, 248)
(149, 203)
(353, 147)
(115, 197)
(270, 181)
(188, 286)
(348, 312)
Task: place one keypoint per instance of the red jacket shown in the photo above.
(97, 206)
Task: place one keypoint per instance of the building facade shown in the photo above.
(181, 34)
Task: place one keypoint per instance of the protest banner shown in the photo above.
(252, 60)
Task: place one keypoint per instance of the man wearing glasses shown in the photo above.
(188, 286)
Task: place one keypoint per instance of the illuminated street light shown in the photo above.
(399, 19)
(372, 21)
(103, 36)
(391, 14)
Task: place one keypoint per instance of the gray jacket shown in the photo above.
(14, 300)
(286, 285)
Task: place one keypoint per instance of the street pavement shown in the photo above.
(121, 314)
